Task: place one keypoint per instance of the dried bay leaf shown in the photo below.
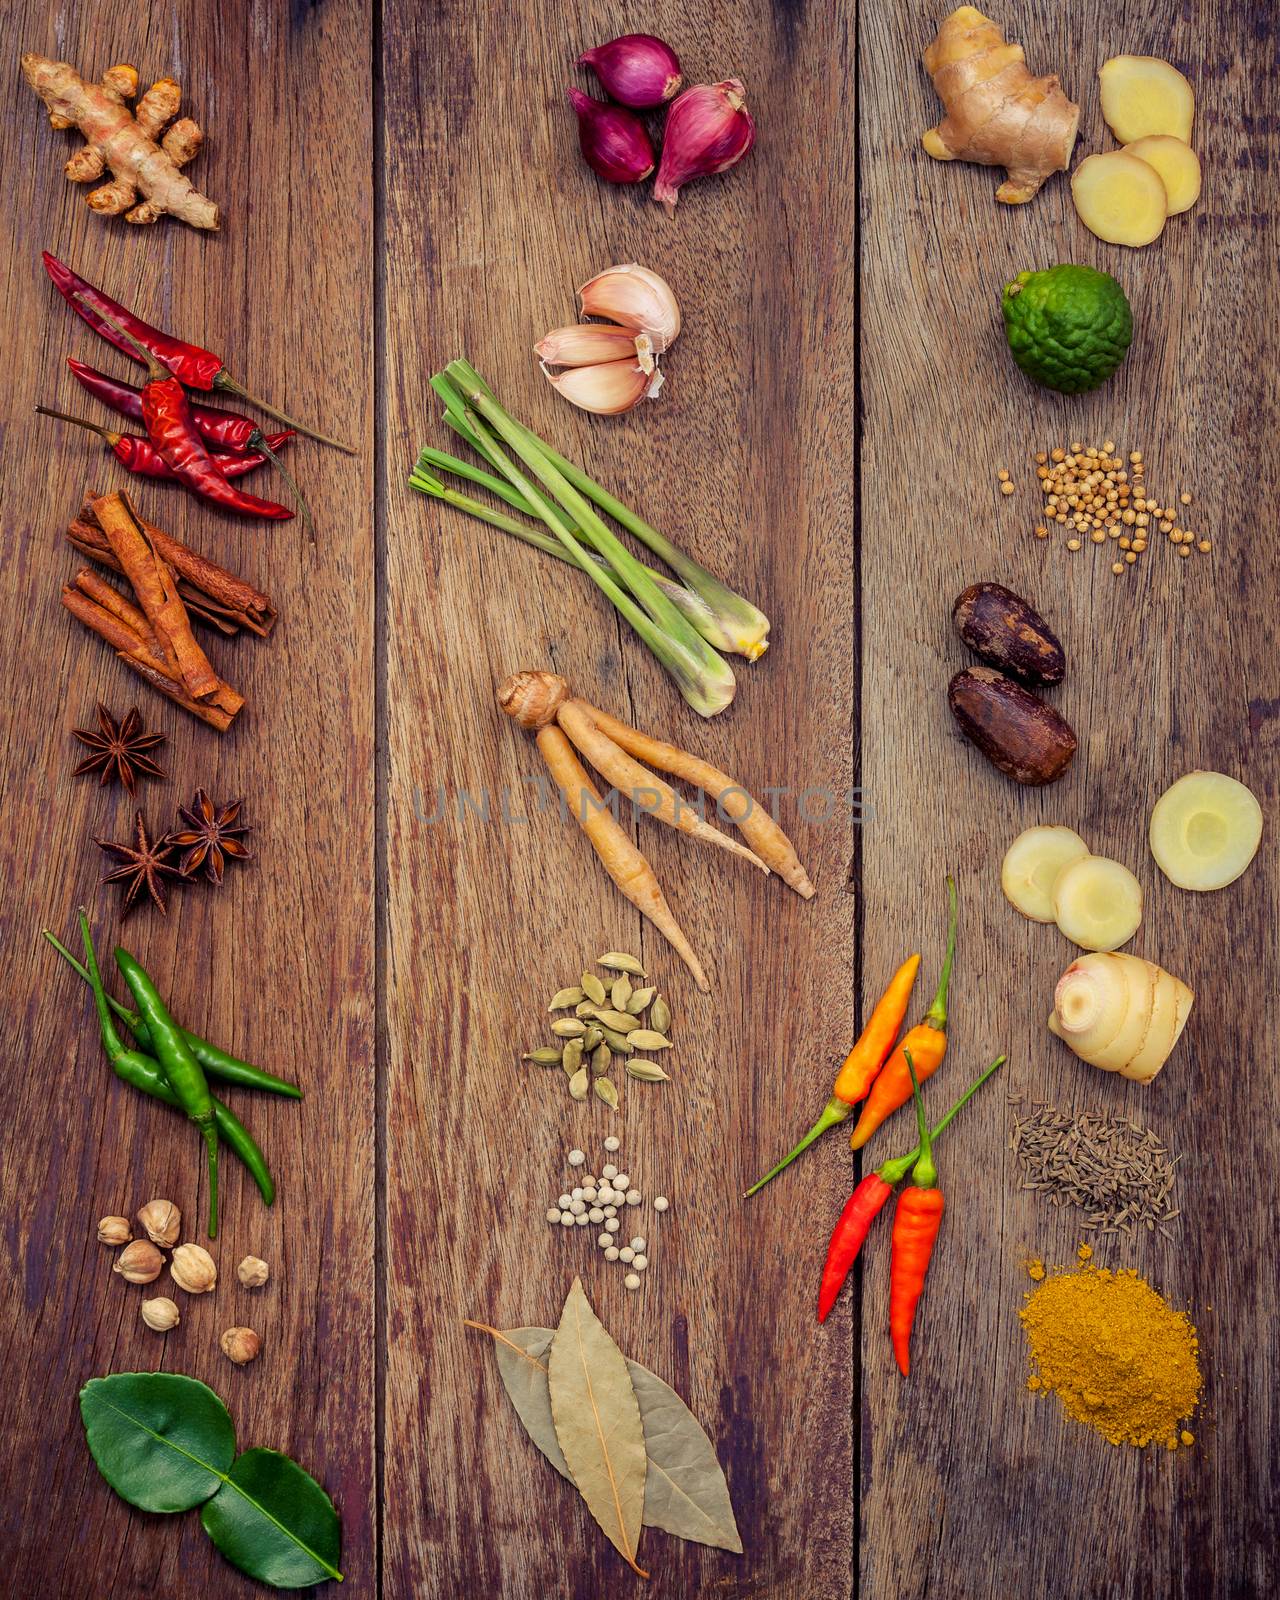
(685, 1492)
(597, 1421)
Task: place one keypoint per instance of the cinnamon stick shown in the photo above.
(98, 589)
(130, 648)
(157, 593)
(222, 598)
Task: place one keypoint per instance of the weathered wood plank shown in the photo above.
(969, 1486)
(491, 222)
(279, 962)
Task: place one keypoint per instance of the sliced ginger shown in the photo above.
(997, 114)
(1120, 198)
(1205, 830)
(1097, 903)
(1031, 867)
(1177, 164)
(126, 142)
(1142, 95)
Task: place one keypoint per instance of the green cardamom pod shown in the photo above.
(620, 992)
(639, 1000)
(544, 1057)
(617, 961)
(568, 1028)
(618, 1042)
(566, 999)
(578, 1084)
(660, 1016)
(601, 1058)
(647, 1071)
(585, 1008)
(592, 987)
(592, 1037)
(572, 1058)
(619, 1021)
(607, 1090)
(648, 1039)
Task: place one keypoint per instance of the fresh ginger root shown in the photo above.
(997, 114)
(142, 158)
(1142, 95)
(1120, 198)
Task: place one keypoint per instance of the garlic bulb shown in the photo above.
(608, 389)
(240, 1345)
(160, 1314)
(253, 1272)
(139, 1262)
(634, 298)
(161, 1222)
(192, 1269)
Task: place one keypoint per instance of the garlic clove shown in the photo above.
(608, 389)
(586, 345)
(635, 298)
(114, 1231)
(161, 1222)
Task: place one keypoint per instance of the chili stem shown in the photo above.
(80, 422)
(225, 381)
(936, 1016)
(294, 490)
(924, 1174)
(833, 1114)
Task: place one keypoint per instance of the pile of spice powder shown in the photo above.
(1117, 1356)
(1115, 1170)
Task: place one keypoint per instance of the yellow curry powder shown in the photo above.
(1116, 1355)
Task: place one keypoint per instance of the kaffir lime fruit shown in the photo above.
(1068, 328)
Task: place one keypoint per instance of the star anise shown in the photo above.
(211, 837)
(119, 749)
(144, 865)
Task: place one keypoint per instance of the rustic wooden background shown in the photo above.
(401, 185)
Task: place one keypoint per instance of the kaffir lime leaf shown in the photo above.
(1068, 328)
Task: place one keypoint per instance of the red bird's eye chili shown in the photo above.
(221, 430)
(141, 456)
(167, 414)
(915, 1231)
(866, 1202)
(197, 368)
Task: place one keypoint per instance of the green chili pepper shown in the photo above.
(143, 1073)
(185, 1074)
(217, 1063)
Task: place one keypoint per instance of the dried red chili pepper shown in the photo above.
(167, 414)
(141, 456)
(196, 367)
(227, 430)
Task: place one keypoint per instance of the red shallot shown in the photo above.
(708, 129)
(614, 142)
(636, 70)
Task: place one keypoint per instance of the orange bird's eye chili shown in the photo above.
(915, 1230)
(171, 428)
(927, 1043)
(867, 1201)
(861, 1064)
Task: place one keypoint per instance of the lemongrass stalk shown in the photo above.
(707, 692)
(738, 626)
(714, 684)
(685, 601)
